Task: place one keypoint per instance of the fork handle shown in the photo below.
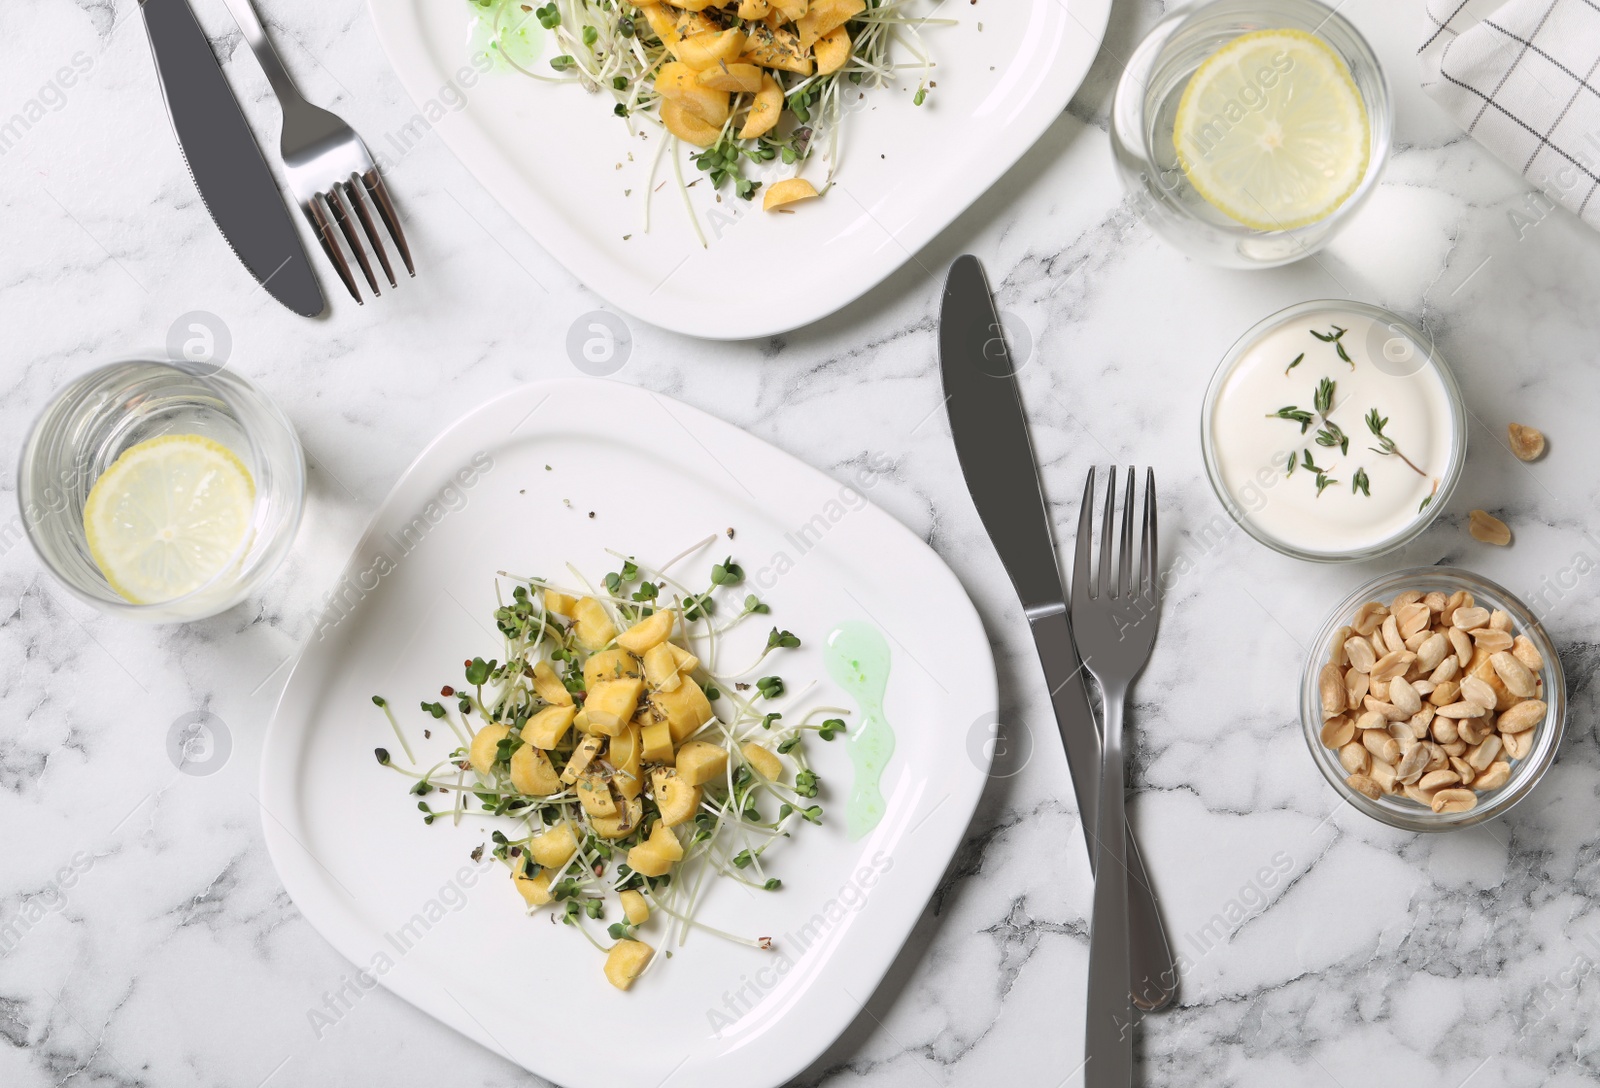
(255, 36)
(1153, 968)
(1108, 1034)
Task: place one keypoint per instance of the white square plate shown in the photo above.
(405, 902)
(561, 164)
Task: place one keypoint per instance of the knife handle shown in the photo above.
(1155, 975)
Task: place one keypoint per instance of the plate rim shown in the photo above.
(276, 747)
(401, 38)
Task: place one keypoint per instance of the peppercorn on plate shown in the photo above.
(704, 778)
(660, 151)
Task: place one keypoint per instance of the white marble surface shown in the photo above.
(175, 958)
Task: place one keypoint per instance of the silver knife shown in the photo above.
(235, 184)
(996, 455)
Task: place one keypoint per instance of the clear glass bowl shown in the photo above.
(1142, 117)
(1398, 352)
(99, 415)
(1402, 812)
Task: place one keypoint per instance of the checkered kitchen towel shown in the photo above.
(1523, 78)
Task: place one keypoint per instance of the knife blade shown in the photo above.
(992, 444)
(235, 184)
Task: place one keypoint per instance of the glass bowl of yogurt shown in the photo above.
(1333, 431)
(1527, 769)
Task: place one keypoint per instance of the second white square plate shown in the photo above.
(556, 472)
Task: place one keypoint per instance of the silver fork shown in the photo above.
(1114, 622)
(328, 168)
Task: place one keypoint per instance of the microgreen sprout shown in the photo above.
(782, 639)
(383, 704)
(698, 607)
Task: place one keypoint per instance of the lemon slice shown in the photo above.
(168, 516)
(1272, 131)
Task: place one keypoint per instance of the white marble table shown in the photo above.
(153, 943)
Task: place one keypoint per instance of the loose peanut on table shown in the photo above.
(1526, 442)
(1431, 697)
(1489, 529)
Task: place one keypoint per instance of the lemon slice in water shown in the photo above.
(1271, 130)
(168, 516)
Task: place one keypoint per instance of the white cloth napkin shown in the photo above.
(1523, 78)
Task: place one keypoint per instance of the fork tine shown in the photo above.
(330, 245)
(1080, 561)
(1103, 583)
(1150, 565)
(341, 215)
(352, 189)
(1125, 586)
(374, 183)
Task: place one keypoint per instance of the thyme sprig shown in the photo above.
(1333, 435)
(1324, 397)
(1324, 481)
(1296, 415)
(1387, 447)
(1335, 338)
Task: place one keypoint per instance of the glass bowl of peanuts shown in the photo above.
(1433, 699)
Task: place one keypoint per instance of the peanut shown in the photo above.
(1362, 784)
(1488, 529)
(1331, 683)
(1514, 674)
(1454, 800)
(1493, 777)
(1337, 732)
(1438, 780)
(1527, 443)
(1524, 716)
(1523, 649)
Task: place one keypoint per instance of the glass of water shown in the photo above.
(189, 449)
(1146, 113)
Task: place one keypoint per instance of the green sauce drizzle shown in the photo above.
(858, 660)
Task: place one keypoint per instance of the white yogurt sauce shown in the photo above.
(1251, 446)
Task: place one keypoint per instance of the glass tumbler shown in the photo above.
(1145, 108)
(105, 412)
